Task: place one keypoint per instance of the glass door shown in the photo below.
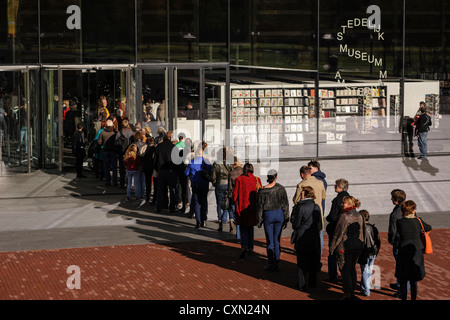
(188, 99)
(19, 118)
(73, 95)
(201, 101)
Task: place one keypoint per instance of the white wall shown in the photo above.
(415, 92)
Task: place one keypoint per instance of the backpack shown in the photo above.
(121, 143)
(371, 243)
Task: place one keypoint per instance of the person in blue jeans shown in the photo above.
(370, 252)
(200, 186)
(273, 213)
(221, 172)
(423, 125)
(133, 163)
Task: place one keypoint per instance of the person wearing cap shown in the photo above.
(273, 213)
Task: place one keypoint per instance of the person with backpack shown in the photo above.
(367, 258)
(423, 125)
(123, 140)
(106, 140)
(221, 171)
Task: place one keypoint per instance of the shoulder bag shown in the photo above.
(426, 240)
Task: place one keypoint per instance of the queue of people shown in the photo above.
(180, 173)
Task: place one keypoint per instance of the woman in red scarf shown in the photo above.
(348, 240)
(245, 198)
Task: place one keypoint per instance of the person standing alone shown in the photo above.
(423, 125)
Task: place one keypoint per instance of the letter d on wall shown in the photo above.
(74, 281)
(74, 21)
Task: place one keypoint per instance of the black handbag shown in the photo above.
(226, 201)
(206, 173)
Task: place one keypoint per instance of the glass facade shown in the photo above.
(329, 78)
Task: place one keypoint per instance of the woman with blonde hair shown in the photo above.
(132, 164)
(348, 240)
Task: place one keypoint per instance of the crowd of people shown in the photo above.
(179, 172)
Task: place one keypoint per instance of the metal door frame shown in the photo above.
(98, 67)
(171, 70)
(26, 70)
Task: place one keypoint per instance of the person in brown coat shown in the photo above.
(348, 240)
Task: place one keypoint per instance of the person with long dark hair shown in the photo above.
(245, 198)
(273, 213)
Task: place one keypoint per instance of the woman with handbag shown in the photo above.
(410, 265)
(220, 173)
(245, 198)
(273, 212)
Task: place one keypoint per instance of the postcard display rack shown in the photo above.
(432, 103)
(289, 112)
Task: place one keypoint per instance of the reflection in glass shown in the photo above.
(18, 121)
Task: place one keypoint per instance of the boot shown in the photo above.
(231, 225)
(220, 226)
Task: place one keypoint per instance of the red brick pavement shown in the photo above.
(192, 271)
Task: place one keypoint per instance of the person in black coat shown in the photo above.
(341, 187)
(166, 173)
(410, 264)
(397, 197)
(79, 149)
(306, 222)
(148, 165)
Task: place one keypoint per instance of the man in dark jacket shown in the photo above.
(314, 166)
(166, 170)
(79, 149)
(423, 127)
(398, 197)
(106, 140)
(341, 187)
